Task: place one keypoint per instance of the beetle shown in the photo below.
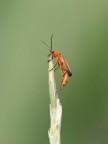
(61, 62)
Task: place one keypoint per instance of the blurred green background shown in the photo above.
(80, 30)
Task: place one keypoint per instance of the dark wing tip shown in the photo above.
(69, 73)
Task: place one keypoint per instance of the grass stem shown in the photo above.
(55, 109)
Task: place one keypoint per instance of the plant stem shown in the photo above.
(55, 109)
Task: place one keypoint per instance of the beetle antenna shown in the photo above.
(45, 44)
(51, 41)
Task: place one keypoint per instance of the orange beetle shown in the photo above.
(61, 63)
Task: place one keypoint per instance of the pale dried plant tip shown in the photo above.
(55, 109)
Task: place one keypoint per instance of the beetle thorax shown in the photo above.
(55, 54)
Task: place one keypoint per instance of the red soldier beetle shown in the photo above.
(61, 63)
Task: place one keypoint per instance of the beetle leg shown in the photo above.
(57, 67)
(64, 72)
(50, 59)
(53, 67)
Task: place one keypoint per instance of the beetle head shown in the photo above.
(51, 53)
